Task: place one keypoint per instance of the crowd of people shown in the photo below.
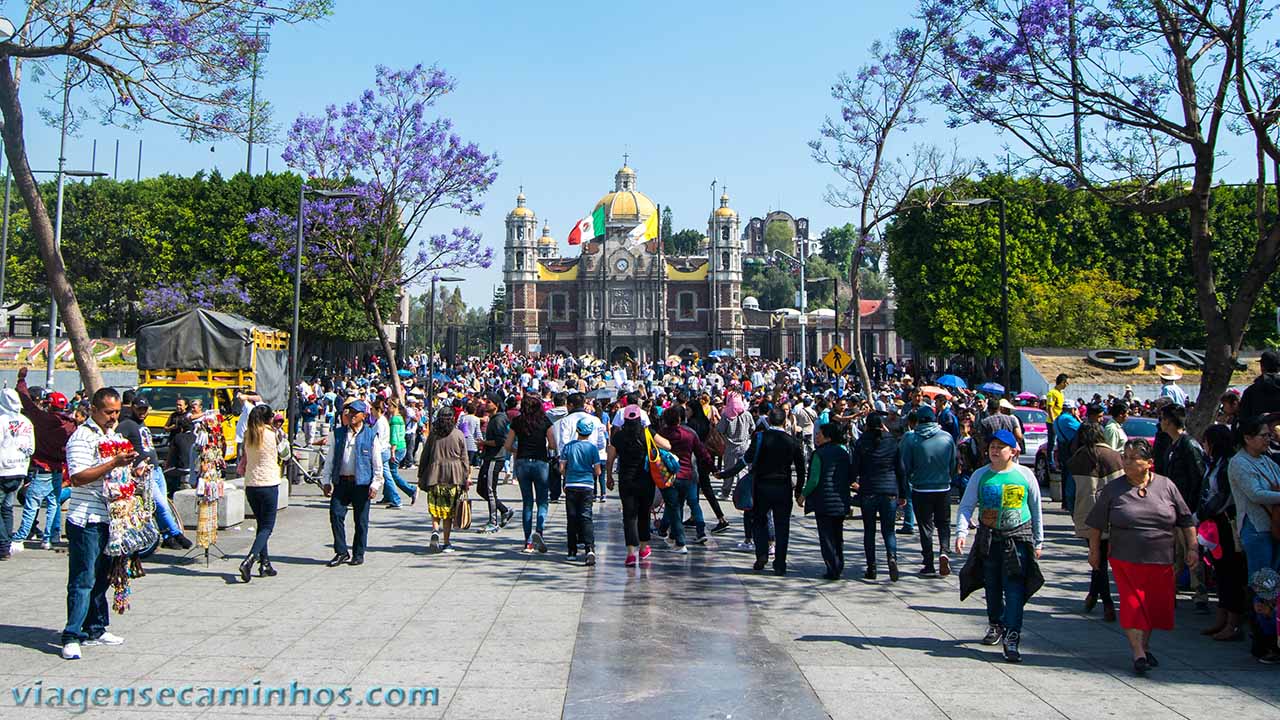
(669, 439)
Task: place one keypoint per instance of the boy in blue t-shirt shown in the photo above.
(580, 466)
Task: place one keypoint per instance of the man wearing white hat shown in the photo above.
(1169, 377)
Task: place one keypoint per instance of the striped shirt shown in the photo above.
(88, 504)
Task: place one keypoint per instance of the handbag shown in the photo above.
(462, 511)
(663, 465)
(715, 442)
(742, 498)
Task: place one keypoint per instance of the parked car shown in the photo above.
(1035, 432)
(1145, 428)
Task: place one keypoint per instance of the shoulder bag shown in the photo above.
(462, 511)
(663, 465)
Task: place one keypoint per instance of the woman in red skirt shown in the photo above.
(1141, 512)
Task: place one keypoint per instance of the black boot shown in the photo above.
(246, 566)
(264, 566)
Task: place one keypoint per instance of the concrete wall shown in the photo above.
(1033, 381)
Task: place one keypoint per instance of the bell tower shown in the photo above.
(725, 276)
(520, 273)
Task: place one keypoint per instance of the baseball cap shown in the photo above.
(632, 412)
(359, 406)
(586, 427)
(139, 401)
(925, 414)
(57, 400)
(1005, 437)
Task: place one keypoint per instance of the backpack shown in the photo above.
(663, 464)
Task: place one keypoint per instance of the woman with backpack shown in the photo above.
(629, 447)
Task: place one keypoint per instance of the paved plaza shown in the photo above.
(507, 635)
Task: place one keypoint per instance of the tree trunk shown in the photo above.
(42, 230)
(374, 314)
(855, 283)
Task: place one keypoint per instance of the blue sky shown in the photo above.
(729, 91)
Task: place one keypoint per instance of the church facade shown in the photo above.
(622, 297)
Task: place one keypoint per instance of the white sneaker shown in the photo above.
(46, 545)
(745, 547)
(680, 550)
(16, 547)
(105, 639)
(71, 651)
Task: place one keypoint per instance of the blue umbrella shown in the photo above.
(441, 377)
(991, 388)
(404, 373)
(952, 381)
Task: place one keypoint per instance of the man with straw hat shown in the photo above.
(1169, 377)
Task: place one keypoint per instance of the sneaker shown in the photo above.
(745, 546)
(16, 547)
(538, 543)
(720, 527)
(906, 530)
(591, 557)
(927, 572)
(1271, 658)
(630, 561)
(645, 552)
(571, 555)
(944, 565)
(71, 651)
(869, 574)
(690, 523)
(994, 634)
(893, 571)
(1011, 653)
(488, 529)
(771, 550)
(528, 549)
(46, 545)
(701, 540)
(435, 541)
(447, 548)
(506, 517)
(680, 550)
(105, 638)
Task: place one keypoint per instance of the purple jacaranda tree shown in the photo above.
(1134, 100)
(181, 63)
(206, 291)
(403, 163)
(878, 105)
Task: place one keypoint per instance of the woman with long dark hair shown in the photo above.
(700, 422)
(629, 446)
(445, 475)
(261, 487)
(1094, 465)
(1218, 510)
(530, 440)
(877, 477)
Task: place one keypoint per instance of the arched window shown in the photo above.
(520, 260)
(724, 260)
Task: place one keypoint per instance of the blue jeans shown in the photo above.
(1006, 595)
(532, 476)
(88, 611)
(1068, 490)
(879, 510)
(391, 479)
(1260, 551)
(908, 514)
(41, 492)
(165, 521)
(673, 502)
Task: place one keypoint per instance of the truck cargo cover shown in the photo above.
(209, 340)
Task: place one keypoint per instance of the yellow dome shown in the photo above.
(546, 238)
(626, 205)
(724, 210)
(520, 209)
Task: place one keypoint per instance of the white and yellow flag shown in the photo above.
(645, 231)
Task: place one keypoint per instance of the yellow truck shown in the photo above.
(208, 356)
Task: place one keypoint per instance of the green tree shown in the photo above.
(777, 236)
(1086, 309)
(837, 245)
(683, 243)
(665, 231)
(872, 285)
(773, 287)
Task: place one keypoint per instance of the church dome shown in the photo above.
(724, 210)
(520, 209)
(750, 303)
(625, 203)
(546, 238)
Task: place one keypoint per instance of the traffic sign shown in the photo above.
(837, 359)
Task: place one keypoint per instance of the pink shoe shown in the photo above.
(631, 561)
(645, 552)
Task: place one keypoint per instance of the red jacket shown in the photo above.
(53, 429)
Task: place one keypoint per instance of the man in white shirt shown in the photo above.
(353, 463)
(566, 431)
(89, 469)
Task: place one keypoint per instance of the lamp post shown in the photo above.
(303, 192)
(1004, 276)
(431, 344)
(804, 304)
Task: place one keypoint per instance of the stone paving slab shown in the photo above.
(503, 634)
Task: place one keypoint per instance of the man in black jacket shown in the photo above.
(772, 454)
(1263, 396)
(1184, 465)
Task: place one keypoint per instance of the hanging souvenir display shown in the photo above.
(130, 508)
(210, 488)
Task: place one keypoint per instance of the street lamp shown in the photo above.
(431, 344)
(303, 192)
(1004, 275)
(804, 304)
(62, 174)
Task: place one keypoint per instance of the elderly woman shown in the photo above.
(1095, 465)
(445, 474)
(1141, 512)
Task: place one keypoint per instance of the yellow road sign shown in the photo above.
(837, 359)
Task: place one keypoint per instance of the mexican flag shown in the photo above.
(588, 228)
